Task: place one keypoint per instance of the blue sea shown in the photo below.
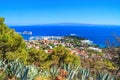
(96, 33)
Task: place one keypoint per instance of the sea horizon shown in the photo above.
(99, 34)
(67, 24)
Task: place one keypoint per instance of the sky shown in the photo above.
(34, 12)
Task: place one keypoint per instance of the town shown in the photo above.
(79, 47)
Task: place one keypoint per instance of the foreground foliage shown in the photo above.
(17, 71)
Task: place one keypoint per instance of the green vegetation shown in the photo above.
(18, 62)
(114, 54)
(39, 58)
(12, 44)
(74, 40)
(17, 71)
(62, 55)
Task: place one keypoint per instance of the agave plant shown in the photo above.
(32, 73)
(105, 77)
(71, 72)
(15, 69)
(67, 72)
(23, 72)
(54, 71)
(3, 65)
(83, 74)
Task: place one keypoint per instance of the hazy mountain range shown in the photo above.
(69, 24)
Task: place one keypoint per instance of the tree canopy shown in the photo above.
(11, 43)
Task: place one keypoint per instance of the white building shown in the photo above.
(95, 49)
(86, 41)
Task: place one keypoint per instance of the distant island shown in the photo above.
(26, 32)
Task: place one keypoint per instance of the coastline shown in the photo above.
(99, 35)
